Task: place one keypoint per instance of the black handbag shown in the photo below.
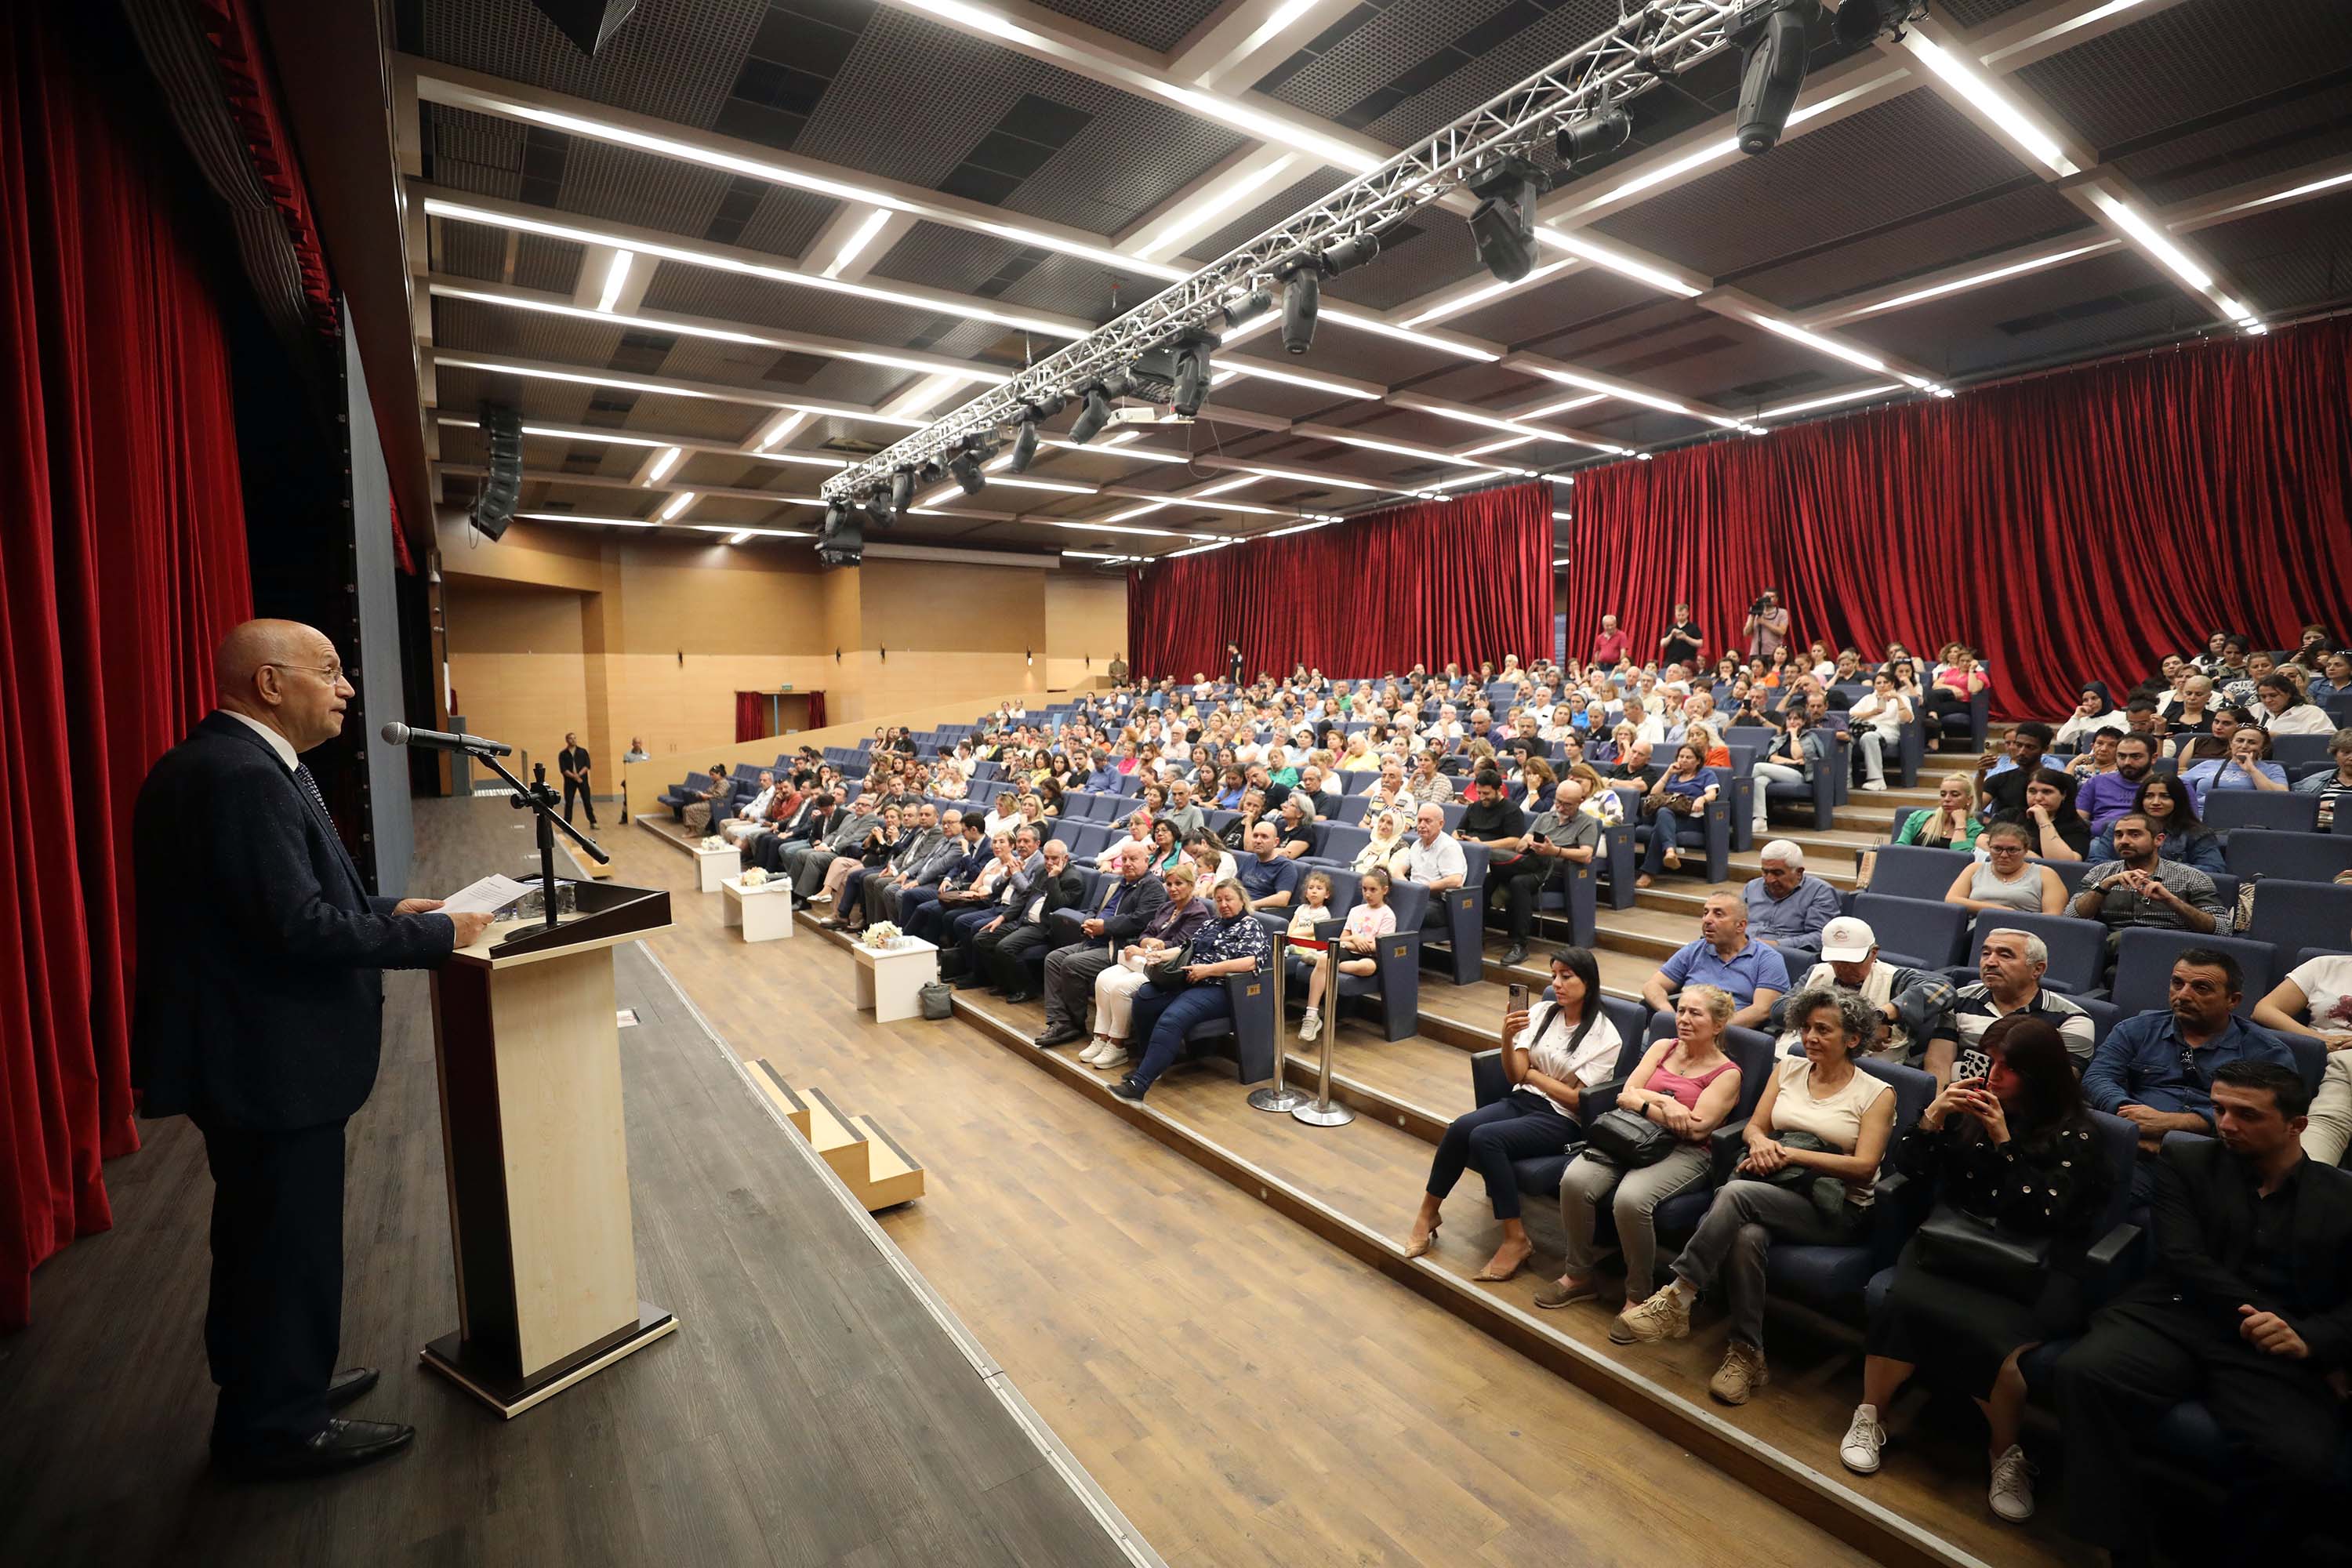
(1961, 1245)
(1169, 975)
(1627, 1139)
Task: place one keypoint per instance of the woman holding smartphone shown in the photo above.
(1551, 1053)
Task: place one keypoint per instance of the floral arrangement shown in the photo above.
(715, 841)
(880, 936)
(757, 876)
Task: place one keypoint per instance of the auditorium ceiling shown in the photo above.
(751, 241)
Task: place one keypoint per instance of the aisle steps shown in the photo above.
(860, 1152)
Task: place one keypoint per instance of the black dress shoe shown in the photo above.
(1518, 953)
(1128, 1088)
(339, 1445)
(1062, 1037)
(1023, 996)
(349, 1383)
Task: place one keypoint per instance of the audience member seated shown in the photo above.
(1552, 1053)
(1433, 857)
(1238, 832)
(2213, 743)
(1877, 721)
(886, 895)
(920, 838)
(1183, 810)
(1127, 904)
(735, 829)
(1750, 972)
(2014, 1166)
(1787, 905)
(1684, 1085)
(1139, 831)
(2140, 888)
(1909, 1004)
(2247, 766)
(1005, 815)
(1369, 920)
(1798, 752)
(2315, 1000)
(924, 911)
(2000, 779)
(1675, 808)
(1000, 947)
(2334, 679)
(1272, 883)
(694, 815)
(2094, 714)
(1181, 914)
(2286, 710)
(1008, 894)
(787, 855)
(2006, 880)
(1233, 942)
(808, 809)
(1951, 823)
(1813, 1146)
(2010, 967)
(872, 826)
(2333, 788)
(1295, 836)
(1555, 839)
(2104, 797)
(1386, 832)
(2156, 1068)
(2055, 829)
(2247, 1308)
(2164, 801)
(1213, 862)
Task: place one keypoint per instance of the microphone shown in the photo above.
(442, 741)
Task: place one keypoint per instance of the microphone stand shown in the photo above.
(542, 801)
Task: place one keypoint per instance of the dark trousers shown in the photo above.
(275, 1319)
(1009, 963)
(2283, 1430)
(1163, 1016)
(1668, 828)
(919, 908)
(572, 787)
(964, 931)
(1517, 892)
(1521, 1125)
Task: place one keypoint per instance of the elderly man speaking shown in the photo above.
(260, 1016)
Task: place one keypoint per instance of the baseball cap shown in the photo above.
(1846, 940)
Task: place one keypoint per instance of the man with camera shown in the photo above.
(1767, 627)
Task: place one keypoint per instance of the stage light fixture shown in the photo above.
(933, 470)
(1770, 37)
(1191, 353)
(1858, 22)
(878, 510)
(1094, 412)
(1350, 254)
(965, 467)
(902, 489)
(1250, 306)
(1302, 297)
(1025, 445)
(1503, 226)
(1582, 140)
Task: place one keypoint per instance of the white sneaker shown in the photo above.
(1115, 1059)
(1093, 1046)
(1875, 786)
(2013, 1486)
(1863, 1441)
(820, 897)
(1310, 1025)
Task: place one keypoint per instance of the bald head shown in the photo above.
(285, 675)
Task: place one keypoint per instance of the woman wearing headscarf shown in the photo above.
(2095, 710)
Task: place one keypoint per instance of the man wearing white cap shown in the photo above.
(1910, 1002)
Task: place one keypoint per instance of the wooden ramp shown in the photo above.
(880, 1172)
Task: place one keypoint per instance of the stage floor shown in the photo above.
(818, 1405)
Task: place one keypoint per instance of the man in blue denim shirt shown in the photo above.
(2154, 1069)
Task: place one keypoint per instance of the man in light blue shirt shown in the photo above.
(1724, 956)
(1787, 908)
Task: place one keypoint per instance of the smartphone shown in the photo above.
(1974, 1063)
(1518, 1000)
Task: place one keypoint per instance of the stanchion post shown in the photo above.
(1323, 1113)
(1278, 1095)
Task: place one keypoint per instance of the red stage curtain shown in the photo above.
(750, 715)
(2075, 527)
(121, 563)
(1460, 580)
(816, 711)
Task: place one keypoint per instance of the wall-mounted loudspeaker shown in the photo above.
(502, 489)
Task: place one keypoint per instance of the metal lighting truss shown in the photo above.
(1660, 38)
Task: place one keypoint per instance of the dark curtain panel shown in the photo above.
(1460, 580)
(121, 563)
(751, 715)
(816, 711)
(2072, 528)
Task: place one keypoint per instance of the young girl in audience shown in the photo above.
(1370, 919)
(2016, 1146)
(1314, 905)
(1552, 1053)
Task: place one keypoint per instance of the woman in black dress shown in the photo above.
(2016, 1146)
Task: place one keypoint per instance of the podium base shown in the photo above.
(511, 1396)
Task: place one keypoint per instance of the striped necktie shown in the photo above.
(302, 775)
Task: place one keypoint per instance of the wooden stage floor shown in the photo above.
(818, 1405)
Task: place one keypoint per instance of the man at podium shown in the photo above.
(260, 1016)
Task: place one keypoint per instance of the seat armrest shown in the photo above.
(1726, 1144)
(1489, 1083)
(2107, 1262)
(1598, 1099)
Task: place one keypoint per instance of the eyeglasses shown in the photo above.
(333, 672)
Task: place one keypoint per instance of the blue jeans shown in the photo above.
(1161, 1017)
(1522, 1125)
(1671, 828)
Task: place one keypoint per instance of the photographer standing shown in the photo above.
(1767, 626)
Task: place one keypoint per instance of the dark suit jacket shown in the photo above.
(260, 1001)
(2202, 1212)
(1063, 892)
(1135, 910)
(571, 759)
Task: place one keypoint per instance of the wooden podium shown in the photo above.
(527, 1041)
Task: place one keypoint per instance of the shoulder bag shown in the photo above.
(1168, 974)
(1961, 1245)
(1627, 1139)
